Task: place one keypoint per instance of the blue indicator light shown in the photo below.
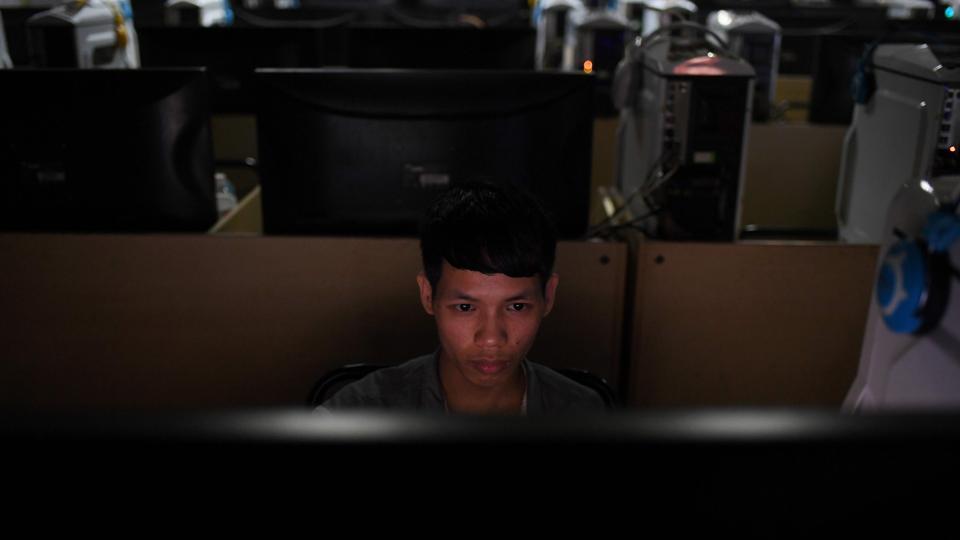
(949, 12)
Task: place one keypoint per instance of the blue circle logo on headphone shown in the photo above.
(901, 287)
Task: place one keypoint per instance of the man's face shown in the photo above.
(486, 323)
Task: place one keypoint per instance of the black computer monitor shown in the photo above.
(404, 47)
(835, 64)
(105, 151)
(231, 54)
(365, 151)
(15, 26)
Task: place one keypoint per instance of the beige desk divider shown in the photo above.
(748, 324)
(245, 218)
(791, 174)
(159, 322)
(795, 91)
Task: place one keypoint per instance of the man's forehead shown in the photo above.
(470, 283)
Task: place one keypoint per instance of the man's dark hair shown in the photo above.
(489, 228)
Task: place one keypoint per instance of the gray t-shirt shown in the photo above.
(415, 385)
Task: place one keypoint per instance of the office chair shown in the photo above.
(594, 382)
(332, 382)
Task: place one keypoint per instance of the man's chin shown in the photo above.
(481, 379)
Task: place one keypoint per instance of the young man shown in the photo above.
(488, 281)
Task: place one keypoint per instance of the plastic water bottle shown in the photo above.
(226, 193)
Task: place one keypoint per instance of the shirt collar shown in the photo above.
(432, 396)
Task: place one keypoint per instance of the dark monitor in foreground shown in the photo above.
(105, 151)
(762, 471)
(364, 152)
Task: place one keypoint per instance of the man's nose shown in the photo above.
(492, 330)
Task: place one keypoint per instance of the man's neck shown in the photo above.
(462, 396)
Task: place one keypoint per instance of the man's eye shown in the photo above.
(464, 307)
(518, 307)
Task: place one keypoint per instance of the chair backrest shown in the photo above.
(594, 382)
(332, 382)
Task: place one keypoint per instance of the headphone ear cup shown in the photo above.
(863, 85)
(864, 82)
(913, 287)
(938, 278)
(870, 82)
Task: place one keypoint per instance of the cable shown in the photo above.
(641, 191)
(663, 180)
(416, 22)
(821, 31)
(506, 18)
(657, 35)
(266, 22)
(644, 190)
(632, 224)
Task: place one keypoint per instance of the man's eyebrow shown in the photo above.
(460, 295)
(523, 295)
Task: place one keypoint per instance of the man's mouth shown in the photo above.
(489, 367)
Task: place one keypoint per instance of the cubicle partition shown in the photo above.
(157, 322)
(750, 324)
(154, 322)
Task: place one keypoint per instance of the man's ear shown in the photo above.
(550, 292)
(426, 293)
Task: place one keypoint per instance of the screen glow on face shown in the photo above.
(486, 324)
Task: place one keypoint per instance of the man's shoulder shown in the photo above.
(401, 375)
(386, 387)
(560, 391)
